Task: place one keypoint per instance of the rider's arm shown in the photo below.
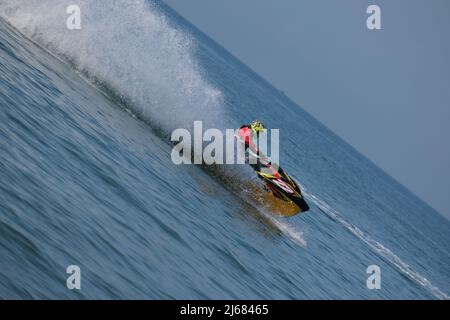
(252, 147)
(262, 158)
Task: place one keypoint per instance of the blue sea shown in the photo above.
(86, 176)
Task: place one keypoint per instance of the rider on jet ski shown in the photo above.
(248, 133)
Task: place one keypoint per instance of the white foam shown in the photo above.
(286, 228)
(133, 48)
(280, 223)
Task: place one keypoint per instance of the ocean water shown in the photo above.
(86, 176)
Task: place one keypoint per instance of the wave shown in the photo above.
(133, 50)
(133, 53)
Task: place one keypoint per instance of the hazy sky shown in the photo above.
(386, 92)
